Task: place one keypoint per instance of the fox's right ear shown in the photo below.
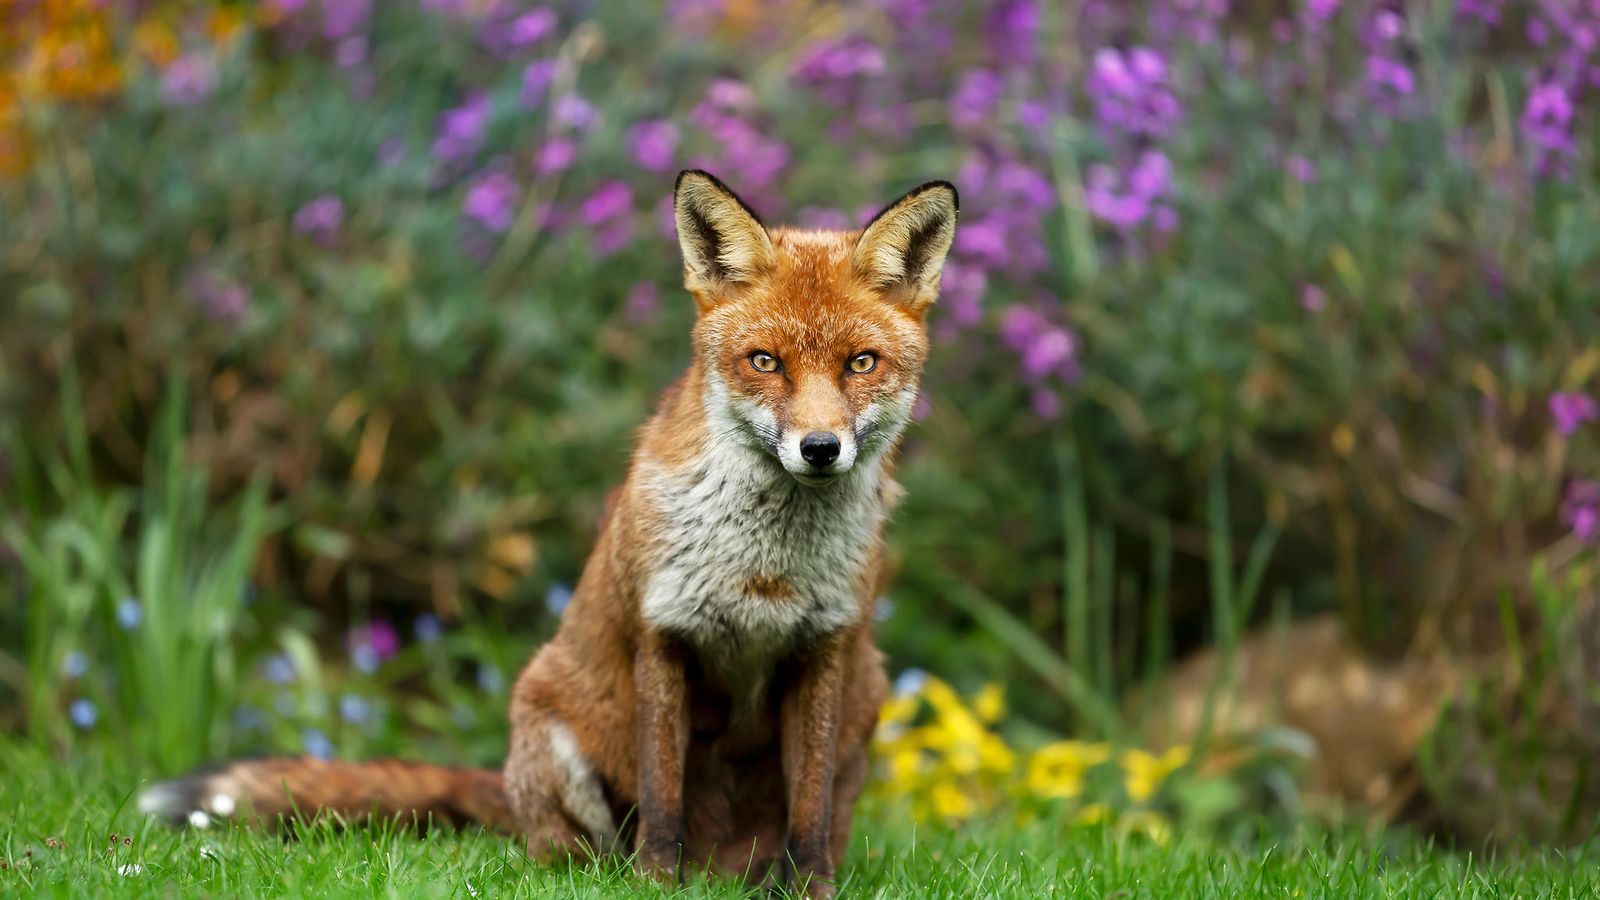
(722, 240)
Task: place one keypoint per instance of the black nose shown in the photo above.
(820, 448)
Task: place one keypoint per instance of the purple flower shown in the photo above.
(351, 52)
(1012, 29)
(1045, 349)
(530, 28)
(491, 200)
(555, 156)
(536, 78)
(572, 111)
(341, 18)
(1301, 169)
(372, 643)
(1318, 12)
(977, 93)
(1127, 200)
(1580, 510)
(1485, 11)
(461, 129)
(654, 143)
(1045, 403)
(608, 212)
(1130, 93)
(836, 68)
(961, 290)
(1313, 298)
(1547, 121)
(320, 218)
(643, 300)
(612, 199)
(221, 298)
(83, 713)
(189, 79)
(1390, 78)
(1571, 409)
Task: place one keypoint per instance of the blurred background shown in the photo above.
(1257, 471)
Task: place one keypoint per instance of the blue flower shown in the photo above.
(83, 713)
(427, 628)
(885, 609)
(557, 598)
(353, 708)
(75, 664)
(130, 613)
(490, 679)
(909, 682)
(248, 718)
(280, 669)
(317, 743)
(365, 658)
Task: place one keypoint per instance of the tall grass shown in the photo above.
(130, 597)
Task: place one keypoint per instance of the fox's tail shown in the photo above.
(270, 789)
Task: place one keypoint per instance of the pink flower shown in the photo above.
(654, 144)
(1313, 298)
(491, 200)
(1581, 509)
(1571, 409)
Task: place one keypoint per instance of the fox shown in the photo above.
(712, 687)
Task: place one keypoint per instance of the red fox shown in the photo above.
(711, 690)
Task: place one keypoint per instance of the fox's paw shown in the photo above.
(196, 800)
(659, 862)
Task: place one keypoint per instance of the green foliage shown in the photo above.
(134, 623)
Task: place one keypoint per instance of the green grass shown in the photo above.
(84, 800)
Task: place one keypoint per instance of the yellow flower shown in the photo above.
(898, 710)
(156, 42)
(995, 756)
(1094, 814)
(949, 801)
(942, 697)
(225, 24)
(1143, 771)
(990, 704)
(903, 768)
(1150, 824)
(1057, 770)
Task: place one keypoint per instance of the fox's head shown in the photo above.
(812, 342)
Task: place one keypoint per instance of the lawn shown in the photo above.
(58, 818)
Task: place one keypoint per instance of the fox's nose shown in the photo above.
(819, 448)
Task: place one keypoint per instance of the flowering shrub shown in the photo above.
(1324, 264)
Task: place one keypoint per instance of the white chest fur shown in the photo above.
(751, 563)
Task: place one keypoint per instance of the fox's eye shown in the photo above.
(862, 363)
(763, 362)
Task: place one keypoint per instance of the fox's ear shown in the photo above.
(722, 240)
(902, 249)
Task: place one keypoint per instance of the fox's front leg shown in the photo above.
(810, 728)
(663, 697)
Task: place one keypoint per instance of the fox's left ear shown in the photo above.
(902, 249)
